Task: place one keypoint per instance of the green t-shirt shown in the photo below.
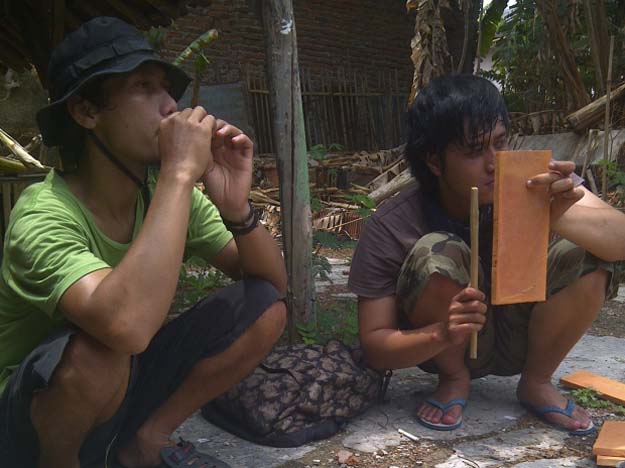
(51, 242)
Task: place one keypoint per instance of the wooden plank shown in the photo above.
(591, 114)
(611, 440)
(607, 388)
(603, 460)
(521, 228)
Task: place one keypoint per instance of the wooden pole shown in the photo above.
(606, 126)
(475, 230)
(478, 63)
(290, 145)
(595, 49)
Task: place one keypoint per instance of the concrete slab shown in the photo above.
(338, 275)
(507, 448)
(558, 463)
(620, 295)
(237, 452)
(492, 409)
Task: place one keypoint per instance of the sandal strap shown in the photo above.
(445, 406)
(567, 411)
(184, 454)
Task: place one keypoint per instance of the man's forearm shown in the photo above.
(260, 256)
(599, 230)
(144, 282)
(398, 349)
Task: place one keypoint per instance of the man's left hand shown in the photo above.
(561, 187)
(228, 179)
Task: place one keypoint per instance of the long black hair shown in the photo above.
(457, 108)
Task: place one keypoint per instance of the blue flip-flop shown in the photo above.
(541, 411)
(443, 407)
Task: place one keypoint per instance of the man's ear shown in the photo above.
(433, 163)
(82, 111)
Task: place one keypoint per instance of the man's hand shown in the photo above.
(184, 141)
(228, 177)
(466, 315)
(561, 187)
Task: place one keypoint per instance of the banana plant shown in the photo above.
(490, 22)
(196, 48)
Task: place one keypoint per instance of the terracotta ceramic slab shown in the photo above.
(611, 440)
(609, 389)
(609, 461)
(521, 228)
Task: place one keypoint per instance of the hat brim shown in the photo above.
(53, 118)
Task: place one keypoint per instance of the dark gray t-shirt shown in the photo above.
(389, 235)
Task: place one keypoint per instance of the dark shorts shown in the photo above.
(502, 342)
(206, 329)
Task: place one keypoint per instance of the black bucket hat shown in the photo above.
(101, 46)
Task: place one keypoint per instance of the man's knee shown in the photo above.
(595, 284)
(274, 318)
(90, 371)
(437, 263)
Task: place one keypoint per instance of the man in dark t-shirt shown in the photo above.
(411, 266)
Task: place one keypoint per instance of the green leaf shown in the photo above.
(336, 147)
(321, 267)
(315, 204)
(317, 152)
(490, 23)
(308, 332)
(330, 240)
(196, 46)
(363, 200)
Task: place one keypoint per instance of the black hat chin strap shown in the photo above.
(143, 185)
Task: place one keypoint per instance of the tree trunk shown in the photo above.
(572, 78)
(288, 132)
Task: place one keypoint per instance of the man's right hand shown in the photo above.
(466, 314)
(184, 142)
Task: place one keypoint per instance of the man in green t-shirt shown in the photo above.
(88, 373)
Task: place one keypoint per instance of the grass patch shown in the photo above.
(589, 398)
(197, 280)
(339, 321)
(335, 321)
(330, 240)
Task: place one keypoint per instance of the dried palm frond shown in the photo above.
(430, 54)
(19, 151)
(11, 165)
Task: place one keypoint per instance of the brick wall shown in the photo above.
(361, 35)
(349, 50)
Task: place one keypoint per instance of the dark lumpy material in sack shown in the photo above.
(299, 394)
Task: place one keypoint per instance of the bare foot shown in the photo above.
(538, 393)
(450, 387)
(144, 450)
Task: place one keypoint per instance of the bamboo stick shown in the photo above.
(475, 226)
(591, 181)
(606, 126)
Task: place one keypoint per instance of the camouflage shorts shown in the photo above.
(502, 343)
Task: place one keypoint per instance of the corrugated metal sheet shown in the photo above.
(571, 146)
